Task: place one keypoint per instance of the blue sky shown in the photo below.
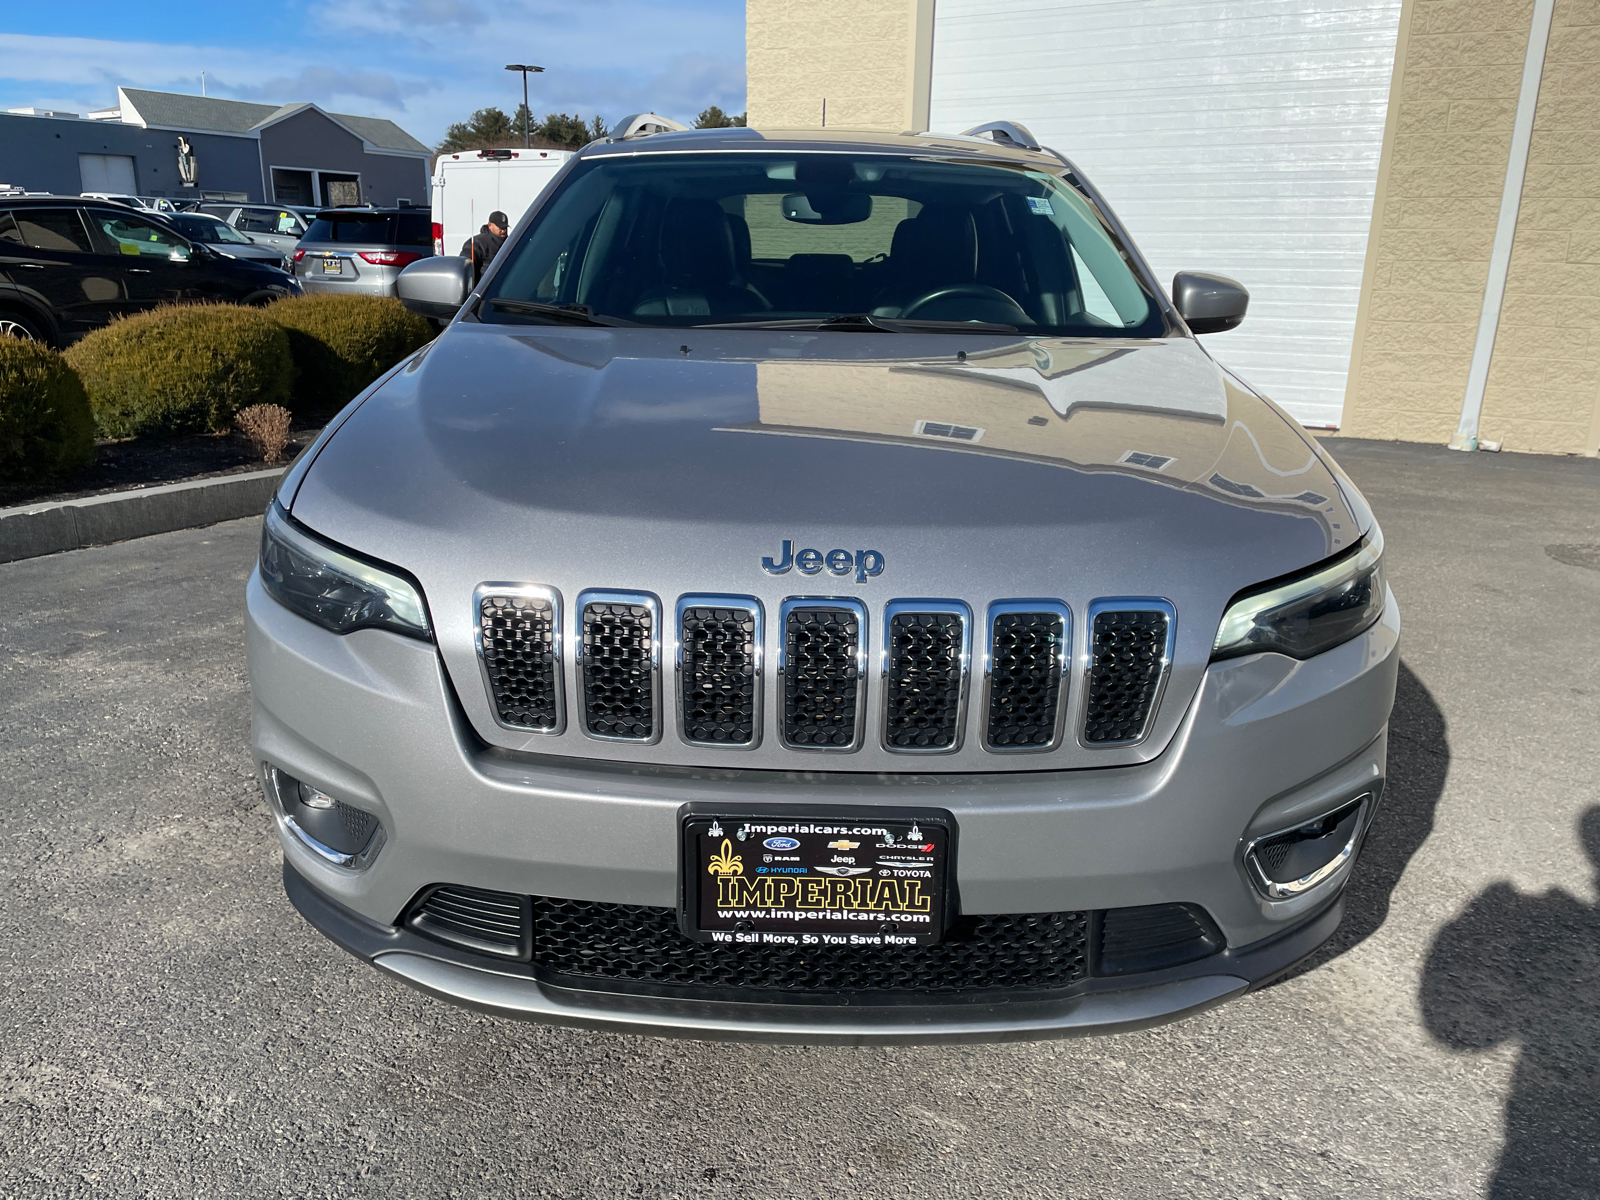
(423, 63)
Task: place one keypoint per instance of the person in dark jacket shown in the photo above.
(481, 248)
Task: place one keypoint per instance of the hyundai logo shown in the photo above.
(867, 564)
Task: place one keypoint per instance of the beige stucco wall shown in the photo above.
(868, 58)
(1458, 71)
(1544, 380)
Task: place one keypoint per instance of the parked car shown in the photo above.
(361, 249)
(280, 226)
(819, 588)
(224, 238)
(160, 204)
(69, 265)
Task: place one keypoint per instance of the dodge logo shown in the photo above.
(865, 563)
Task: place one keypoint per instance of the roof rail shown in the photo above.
(1006, 133)
(643, 125)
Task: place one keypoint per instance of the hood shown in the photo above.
(675, 461)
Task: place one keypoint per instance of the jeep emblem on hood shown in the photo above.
(865, 563)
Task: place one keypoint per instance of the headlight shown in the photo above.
(1308, 614)
(335, 589)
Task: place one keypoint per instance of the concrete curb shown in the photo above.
(35, 529)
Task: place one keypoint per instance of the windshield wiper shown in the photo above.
(575, 314)
(866, 323)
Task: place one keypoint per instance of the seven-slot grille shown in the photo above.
(1027, 667)
(822, 675)
(719, 680)
(924, 676)
(519, 639)
(620, 657)
(925, 647)
(1127, 665)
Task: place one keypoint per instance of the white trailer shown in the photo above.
(467, 187)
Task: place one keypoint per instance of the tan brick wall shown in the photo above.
(1458, 71)
(861, 55)
(1544, 380)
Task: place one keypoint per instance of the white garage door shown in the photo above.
(1236, 136)
(113, 174)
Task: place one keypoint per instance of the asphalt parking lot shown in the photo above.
(169, 1027)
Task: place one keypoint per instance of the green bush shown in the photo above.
(182, 369)
(45, 425)
(343, 343)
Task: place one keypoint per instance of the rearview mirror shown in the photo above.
(435, 287)
(827, 207)
(1208, 303)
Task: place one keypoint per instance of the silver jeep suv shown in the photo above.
(818, 589)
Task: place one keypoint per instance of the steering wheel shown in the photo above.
(970, 291)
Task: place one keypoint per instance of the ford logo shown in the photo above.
(781, 844)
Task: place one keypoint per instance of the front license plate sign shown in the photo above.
(788, 881)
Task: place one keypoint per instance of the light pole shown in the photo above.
(525, 69)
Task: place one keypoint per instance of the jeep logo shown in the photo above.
(867, 564)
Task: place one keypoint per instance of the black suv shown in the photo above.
(68, 266)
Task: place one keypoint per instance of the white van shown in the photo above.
(467, 187)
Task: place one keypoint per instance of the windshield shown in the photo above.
(208, 229)
(700, 239)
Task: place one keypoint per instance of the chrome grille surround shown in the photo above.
(520, 595)
(685, 667)
(894, 678)
(1125, 604)
(1060, 670)
(797, 606)
(590, 663)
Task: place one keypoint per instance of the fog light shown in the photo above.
(336, 832)
(1292, 862)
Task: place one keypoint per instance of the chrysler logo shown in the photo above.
(865, 563)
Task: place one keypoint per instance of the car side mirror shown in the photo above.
(435, 287)
(1208, 303)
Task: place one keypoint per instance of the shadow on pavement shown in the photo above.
(1419, 761)
(1515, 967)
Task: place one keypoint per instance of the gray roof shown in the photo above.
(174, 110)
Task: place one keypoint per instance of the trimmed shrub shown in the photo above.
(45, 425)
(182, 369)
(342, 343)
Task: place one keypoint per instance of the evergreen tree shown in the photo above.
(522, 120)
(487, 127)
(715, 118)
(568, 132)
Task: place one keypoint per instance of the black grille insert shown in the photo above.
(518, 640)
(474, 919)
(923, 680)
(619, 670)
(1154, 936)
(1128, 653)
(822, 678)
(582, 942)
(1025, 693)
(719, 675)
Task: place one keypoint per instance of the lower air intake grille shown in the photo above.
(719, 675)
(822, 678)
(486, 922)
(1025, 679)
(1124, 674)
(1154, 936)
(518, 639)
(622, 943)
(619, 684)
(923, 681)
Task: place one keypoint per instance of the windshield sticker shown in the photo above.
(1040, 205)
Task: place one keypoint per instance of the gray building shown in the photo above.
(284, 154)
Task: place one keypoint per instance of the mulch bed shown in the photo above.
(137, 463)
